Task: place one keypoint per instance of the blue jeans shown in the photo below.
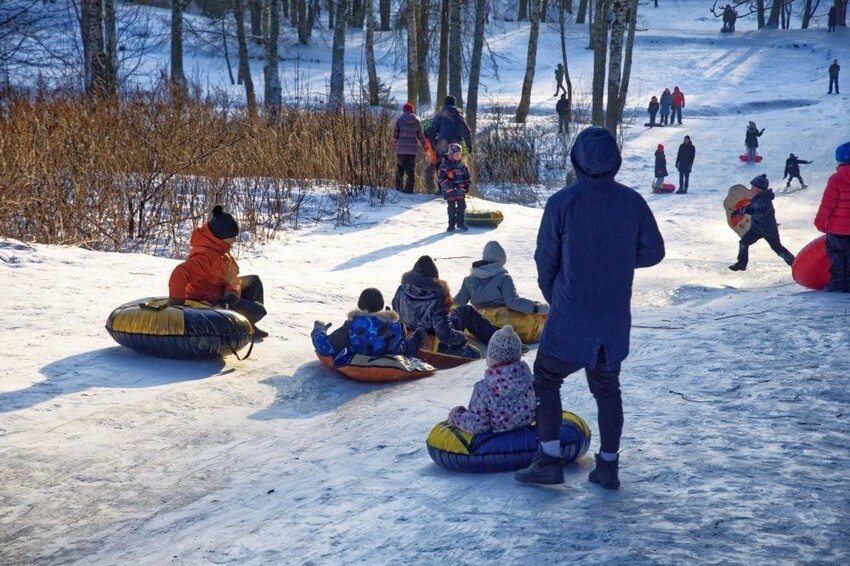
(549, 374)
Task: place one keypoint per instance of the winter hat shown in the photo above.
(494, 253)
(450, 101)
(426, 266)
(842, 153)
(660, 147)
(505, 347)
(408, 107)
(371, 300)
(222, 224)
(761, 182)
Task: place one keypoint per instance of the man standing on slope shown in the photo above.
(448, 127)
(593, 235)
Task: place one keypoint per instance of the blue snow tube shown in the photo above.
(488, 452)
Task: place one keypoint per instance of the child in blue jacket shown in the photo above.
(454, 183)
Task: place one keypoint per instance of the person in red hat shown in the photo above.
(407, 137)
(660, 168)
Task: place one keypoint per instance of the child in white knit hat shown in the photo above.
(504, 399)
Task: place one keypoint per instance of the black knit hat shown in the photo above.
(449, 101)
(371, 300)
(222, 224)
(426, 266)
(761, 182)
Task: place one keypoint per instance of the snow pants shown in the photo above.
(750, 238)
(250, 304)
(456, 208)
(838, 251)
(676, 115)
(465, 317)
(549, 374)
(405, 165)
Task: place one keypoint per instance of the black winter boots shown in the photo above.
(606, 473)
(543, 470)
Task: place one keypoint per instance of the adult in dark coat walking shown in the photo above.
(830, 20)
(751, 141)
(407, 137)
(762, 224)
(563, 110)
(833, 76)
(593, 235)
(684, 163)
(559, 79)
(447, 127)
(792, 170)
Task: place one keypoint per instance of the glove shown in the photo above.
(319, 325)
(231, 298)
(176, 302)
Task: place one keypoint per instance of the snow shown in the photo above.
(735, 446)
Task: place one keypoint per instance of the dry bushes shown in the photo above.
(137, 174)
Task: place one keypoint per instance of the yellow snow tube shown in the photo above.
(528, 326)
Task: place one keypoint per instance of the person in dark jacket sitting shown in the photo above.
(792, 170)
(762, 225)
(368, 330)
(448, 127)
(423, 300)
(593, 235)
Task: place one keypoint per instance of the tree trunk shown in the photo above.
(522, 12)
(244, 65)
(773, 19)
(562, 27)
(95, 59)
(543, 9)
(331, 14)
(615, 65)
(599, 41)
(841, 13)
(455, 52)
(111, 36)
(530, 63)
(385, 7)
(255, 9)
(178, 78)
(412, 58)
(807, 14)
(760, 13)
(631, 23)
(337, 94)
(371, 70)
(305, 23)
(357, 14)
(582, 11)
(272, 75)
(424, 36)
(475, 67)
(443, 67)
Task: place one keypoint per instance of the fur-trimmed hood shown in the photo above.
(383, 316)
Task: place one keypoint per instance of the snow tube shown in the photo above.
(665, 188)
(430, 352)
(744, 157)
(486, 218)
(488, 452)
(380, 368)
(529, 327)
(811, 265)
(193, 331)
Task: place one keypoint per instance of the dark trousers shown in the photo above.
(684, 179)
(838, 251)
(751, 238)
(467, 318)
(405, 165)
(549, 374)
(665, 117)
(250, 305)
(652, 117)
(833, 81)
(792, 177)
(456, 210)
(676, 115)
(563, 123)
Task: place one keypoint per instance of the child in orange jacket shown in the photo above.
(211, 274)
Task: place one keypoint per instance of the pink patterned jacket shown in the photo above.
(503, 400)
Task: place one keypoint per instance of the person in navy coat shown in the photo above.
(593, 235)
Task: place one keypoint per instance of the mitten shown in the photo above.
(456, 412)
(319, 325)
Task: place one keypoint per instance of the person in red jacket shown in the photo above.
(833, 218)
(677, 100)
(210, 273)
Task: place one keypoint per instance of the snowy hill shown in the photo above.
(735, 446)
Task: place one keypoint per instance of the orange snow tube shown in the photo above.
(811, 266)
(380, 368)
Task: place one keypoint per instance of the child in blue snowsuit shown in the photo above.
(454, 183)
(369, 330)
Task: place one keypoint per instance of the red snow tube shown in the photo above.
(811, 266)
(744, 157)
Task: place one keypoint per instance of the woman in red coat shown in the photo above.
(211, 274)
(833, 218)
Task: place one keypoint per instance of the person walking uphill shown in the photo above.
(559, 79)
(407, 137)
(684, 163)
(211, 274)
(592, 236)
(833, 218)
(751, 140)
(762, 225)
(448, 127)
(833, 76)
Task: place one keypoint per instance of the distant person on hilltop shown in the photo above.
(830, 20)
(665, 102)
(833, 76)
(833, 218)
(751, 141)
(792, 170)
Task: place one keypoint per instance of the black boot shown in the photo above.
(543, 470)
(788, 257)
(738, 266)
(606, 473)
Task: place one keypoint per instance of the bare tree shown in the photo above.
(423, 35)
(808, 12)
(615, 65)
(271, 39)
(455, 52)
(178, 77)
(599, 41)
(840, 13)
(475, 67)
(582, 11)
(443, 55)
(562, 28)
(412, 58)
(631, 23)
(337, 94)
(371, 71)
(530, 63)
(244, 65)
(98, 78)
